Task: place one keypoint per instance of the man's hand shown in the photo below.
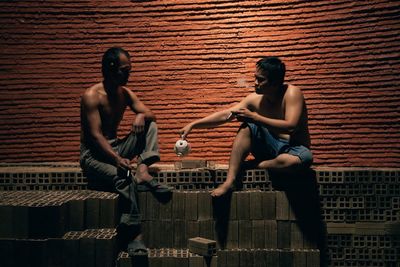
(245, 114)
(138, 125)
(123, 163)
(185, 130)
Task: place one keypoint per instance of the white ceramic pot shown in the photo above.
(182, 147)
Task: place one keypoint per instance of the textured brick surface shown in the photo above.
(194, 57)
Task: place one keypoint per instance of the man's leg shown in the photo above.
(106, 173)
(281, 162)
(240, 149)
(144, 145)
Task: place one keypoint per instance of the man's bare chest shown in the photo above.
(111, 112)
(268, 109)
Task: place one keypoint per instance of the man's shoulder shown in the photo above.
(293, 91)
(252, 96)
(93, 93)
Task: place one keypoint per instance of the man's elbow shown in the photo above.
(291, 128)
(149, 116)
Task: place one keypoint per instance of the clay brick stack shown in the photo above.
(268, 223)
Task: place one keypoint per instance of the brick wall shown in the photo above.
(192, 57)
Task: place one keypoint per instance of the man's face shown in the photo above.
(261, 82)
(124, 69)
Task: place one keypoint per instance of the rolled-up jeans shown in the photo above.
(102, 174)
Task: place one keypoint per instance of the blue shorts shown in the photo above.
(265, 145)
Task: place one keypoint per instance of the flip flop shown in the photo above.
(137, 248)
(153, 186)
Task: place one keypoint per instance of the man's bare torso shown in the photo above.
(276, 110)
(110, 108)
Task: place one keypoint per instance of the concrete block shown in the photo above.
(222, 258)
(178, 206)
(246, 258)
(271, 234)
(92, 213)
(202, 246)
(54, 255)
(192, 229)
(6, 221)
(296, 236)
(272, 257)
(206, 229)
(256, 205)
(258, 232)
(167, 235)
(180, 238)
(299, 258)
(191, 205)
(269, 205)
(105, 250)
(243, 205)
(260, 258)
(166, 210)
(282, 206)
(283, 234)
(76, 214)
(108, 211)
(245, 233)
(233, 235)
(152, 208)
(285, 258)
(232, 258)
(313, 258)
(204, 205)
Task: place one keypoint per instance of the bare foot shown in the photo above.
(222, 189)
(142, 173)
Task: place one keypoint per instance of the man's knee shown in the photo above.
(287, 161)
(244, 130)
(152, 127)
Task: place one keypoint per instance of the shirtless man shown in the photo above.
(106, 159)
(274, 129)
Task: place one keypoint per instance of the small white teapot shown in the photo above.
(182, 147)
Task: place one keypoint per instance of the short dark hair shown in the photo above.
(110, 62)
(273, 68)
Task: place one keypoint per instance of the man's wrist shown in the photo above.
(117, 159)
(226, 185)
(257, 117)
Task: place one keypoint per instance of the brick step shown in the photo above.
(237, 234)
(44, 214)
(170, 257)
(347, 194)
(89, 248)
(244, 219)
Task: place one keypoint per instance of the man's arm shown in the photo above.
(89, 105)
(138, 107)
(294, 102)
(143, 113)
(214, 119)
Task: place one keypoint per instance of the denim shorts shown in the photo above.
(268, 146)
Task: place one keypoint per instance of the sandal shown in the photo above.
(154, 186)
(137, 248)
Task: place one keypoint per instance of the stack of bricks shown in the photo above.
(362, 211)
(41, 177)
(205, 179)
(259, 224)
(360, 206)
(35, 225)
